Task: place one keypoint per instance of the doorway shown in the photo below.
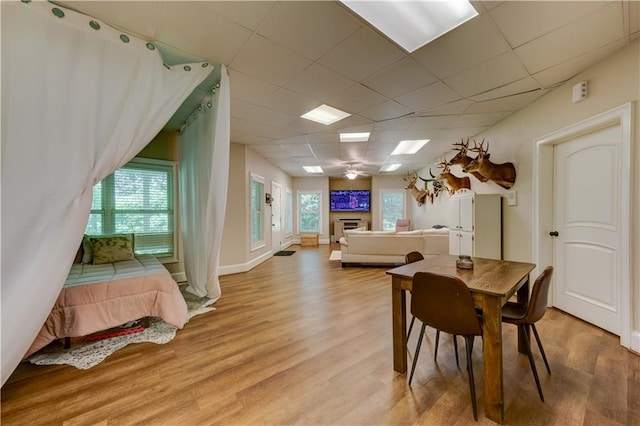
(582, 218)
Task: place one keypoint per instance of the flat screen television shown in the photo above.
(349, 200)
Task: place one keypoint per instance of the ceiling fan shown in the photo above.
(352, 173)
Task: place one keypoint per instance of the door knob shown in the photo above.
(553, 233)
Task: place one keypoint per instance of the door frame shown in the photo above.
(275, 185)
(543, 201)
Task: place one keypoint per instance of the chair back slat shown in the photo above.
(414, 256)
(444, 303)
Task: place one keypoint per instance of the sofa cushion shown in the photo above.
(414, 232)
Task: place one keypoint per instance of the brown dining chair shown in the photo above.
(445, 303)
(526, 315)
(415, 256)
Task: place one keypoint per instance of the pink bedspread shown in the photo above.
(84, 309)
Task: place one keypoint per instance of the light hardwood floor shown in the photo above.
(300, 340)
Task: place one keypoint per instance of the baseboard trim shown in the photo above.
(244, 267)
(179, 277)
(635, 341)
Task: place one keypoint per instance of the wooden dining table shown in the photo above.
(492, 282)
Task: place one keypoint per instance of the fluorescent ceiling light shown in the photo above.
(390, 167)
(325, 114)
(409, 147)
(354, 137)
(412, 24)
(312, 169)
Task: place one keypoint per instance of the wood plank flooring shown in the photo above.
(301, 341)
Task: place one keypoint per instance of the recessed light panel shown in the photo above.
(412, 24)
(409, 146)
(325, 114)
(390, 167)
(354, 137)
(312, 169)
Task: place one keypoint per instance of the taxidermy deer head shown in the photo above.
(419, 194)
(463, 160)
(503, 174)
(453, 182)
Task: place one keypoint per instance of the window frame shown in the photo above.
(108, 209)
(260, 243)
(298, 195)
(403, 194)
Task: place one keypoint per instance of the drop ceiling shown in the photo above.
(288, 57)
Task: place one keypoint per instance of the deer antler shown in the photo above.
(444, 165)
(463, 146)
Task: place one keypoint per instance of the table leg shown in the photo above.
(492, 355)
(523, 297)
(398, 310)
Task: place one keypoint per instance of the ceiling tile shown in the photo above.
(433, 95)
(479, 120)
(304, 126)
(252, 128)
(523, 21)
(507, 103)
(402, 123)
(249, 14)
(362, 55)
(268, 116)
(267, 61)
(308, 28)
(319, 82)
(475, 42)
(523, 85)
(556, 74)
(250, 89)
(462, 132)
(240, 137)
(436, 122)
(495, 73)
(274, 148)
(217, 39)
(455, 107)
(400, 78)
(291, 103)
(386, 111)
(355, 99)
(573, 40)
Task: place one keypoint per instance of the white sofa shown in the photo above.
(390, 247)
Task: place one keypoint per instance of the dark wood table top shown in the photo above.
(489, 276)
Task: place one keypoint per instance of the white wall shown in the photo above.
(237, 255)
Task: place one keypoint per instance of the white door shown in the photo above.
(276, 217)
(587, 219)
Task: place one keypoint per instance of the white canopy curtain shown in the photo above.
(79, 100)
(204, 174)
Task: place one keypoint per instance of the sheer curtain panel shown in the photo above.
(204, 173)
(79, 100)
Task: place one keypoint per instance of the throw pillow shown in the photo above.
(113, 248)
(87, 255)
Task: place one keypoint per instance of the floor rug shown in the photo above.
(336, 255)
(84, 355)
(284, 253)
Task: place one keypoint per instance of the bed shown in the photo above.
(99, 297)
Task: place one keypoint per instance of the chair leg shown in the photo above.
(413, 319)
(455, 348)
(472, 385)
(435, 352)
(415, 356)
(544, 357)
(525, 328)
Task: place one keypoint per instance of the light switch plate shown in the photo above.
(512, 198)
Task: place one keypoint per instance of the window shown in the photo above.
(309, 208)
(257, 212)
(393, 207)
(288, 213)
(138, 198)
